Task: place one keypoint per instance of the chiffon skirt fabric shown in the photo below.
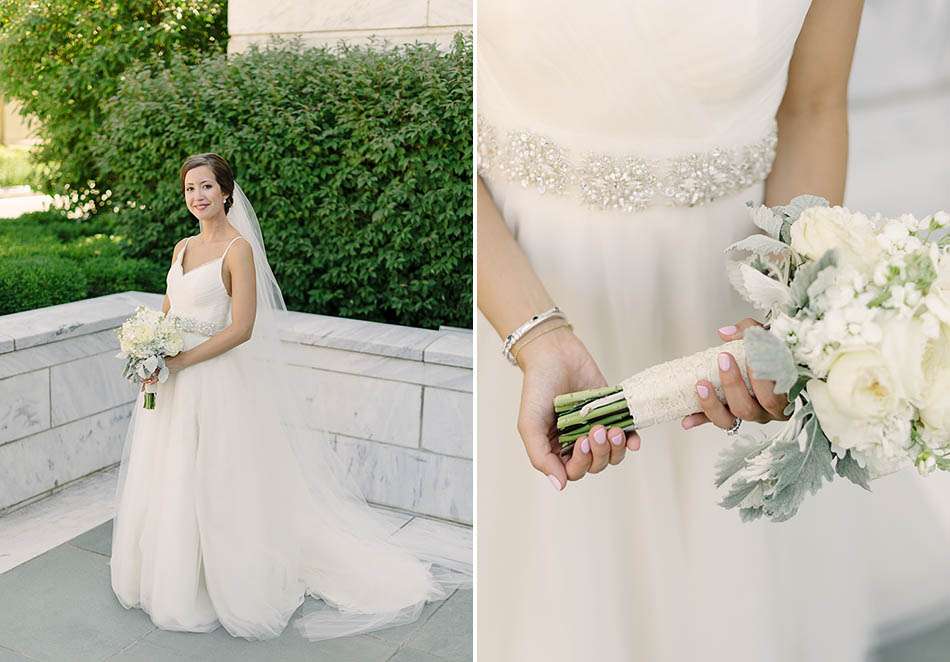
(639, 562)
(215, 524)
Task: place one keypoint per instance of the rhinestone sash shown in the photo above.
(627, 183)
(191, 325)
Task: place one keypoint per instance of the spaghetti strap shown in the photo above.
(224, 254)
(181, 253)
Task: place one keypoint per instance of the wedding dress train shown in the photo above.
(639, 562)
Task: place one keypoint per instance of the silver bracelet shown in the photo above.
(518, 333)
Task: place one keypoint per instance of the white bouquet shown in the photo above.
(857, 336)
(145, 339)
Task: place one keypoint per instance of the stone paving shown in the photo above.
(59, 606)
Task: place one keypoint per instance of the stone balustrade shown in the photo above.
(397, 401)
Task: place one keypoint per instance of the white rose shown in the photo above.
(878, 444)
(820, 229)
(860, 386)
(903, 344)
(935, 405)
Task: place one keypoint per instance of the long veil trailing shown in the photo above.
(307, 529)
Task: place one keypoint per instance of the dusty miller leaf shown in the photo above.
(738, 493)
(794, 393)
(766, 219)
(798, 204)
(734, 458)
(759, 244)
(766, 294)
(770, 358)
(805, 275)
(848, 467)
(799, 471)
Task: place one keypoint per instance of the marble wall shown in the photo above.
(396, 401)
(352, 21)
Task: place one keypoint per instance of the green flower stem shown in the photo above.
(149, 401)
(568, 401)
(573, 433)
(575, 418)
(568, 446)
(572, 425)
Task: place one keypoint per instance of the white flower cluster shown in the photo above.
(145, 339)
(874, 335)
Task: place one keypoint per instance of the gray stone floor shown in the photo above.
(60, 607)
(929, 646)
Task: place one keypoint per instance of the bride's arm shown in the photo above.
(509, 293)
(811, 157)
(240, 263)
(812, 152)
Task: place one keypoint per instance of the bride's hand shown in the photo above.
(173, 363)
(557, 363)
(761, 406)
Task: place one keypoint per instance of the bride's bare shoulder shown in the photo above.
(177, 249)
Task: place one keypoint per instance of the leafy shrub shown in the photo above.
(357, 160)
(105, 275)
(62, 58)
(46, 259)
(38, 281)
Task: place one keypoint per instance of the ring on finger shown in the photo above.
(734, 430)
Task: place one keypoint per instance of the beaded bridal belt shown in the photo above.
(191, 325)
(628, 182)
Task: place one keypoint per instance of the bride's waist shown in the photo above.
(560, 162)
(197, 324)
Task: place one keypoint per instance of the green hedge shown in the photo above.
(356, 159)
(37, 281)
(47, 259)
(63, 58)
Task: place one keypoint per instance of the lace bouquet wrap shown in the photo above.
(145, 339)
(857, 337)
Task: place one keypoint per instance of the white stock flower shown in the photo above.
(896, 238)
(820, 229)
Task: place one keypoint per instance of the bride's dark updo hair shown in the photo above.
(221, 169)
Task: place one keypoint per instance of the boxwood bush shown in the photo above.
(357, 160)
(47, 259)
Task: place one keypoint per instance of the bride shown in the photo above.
(618, 144)
(230, 511)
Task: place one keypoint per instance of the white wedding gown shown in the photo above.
(216, 521)
(639, 562)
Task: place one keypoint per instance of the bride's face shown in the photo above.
(203, 194)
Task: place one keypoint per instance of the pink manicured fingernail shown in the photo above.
(724, 361)
(617, 439)
(702, 390)
(600, 436)
(585, 446)
(555, 482)
(728, 330)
